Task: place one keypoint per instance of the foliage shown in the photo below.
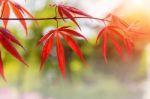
(114, 27)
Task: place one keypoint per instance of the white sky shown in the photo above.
(94, 7)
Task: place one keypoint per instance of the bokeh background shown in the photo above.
(115, 80)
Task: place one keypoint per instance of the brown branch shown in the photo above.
(53, 18)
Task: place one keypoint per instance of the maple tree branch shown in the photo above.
(52, 18)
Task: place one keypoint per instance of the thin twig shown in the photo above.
(52, 18)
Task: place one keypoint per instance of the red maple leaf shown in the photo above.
(17, 9)
(6, 40)
(65, 32)
(112, 32)
(71, 12)
(116, 27)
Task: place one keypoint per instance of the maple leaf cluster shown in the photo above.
(17, 9)
(115, 27)
(6, 40)
(65, 33)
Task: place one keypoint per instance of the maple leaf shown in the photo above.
(1, 2)
(116, 21)
(17, 9)
(71, 12)
(121, 24)
(129, 29)
(6, 40)
(65, 32)
(116, 27)
(112, 32)
(5, 12)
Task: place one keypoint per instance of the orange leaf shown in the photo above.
(5, 12)
(117, 46)
(18, 15)
(25, 11)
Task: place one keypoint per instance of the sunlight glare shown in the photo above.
(137, 2)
